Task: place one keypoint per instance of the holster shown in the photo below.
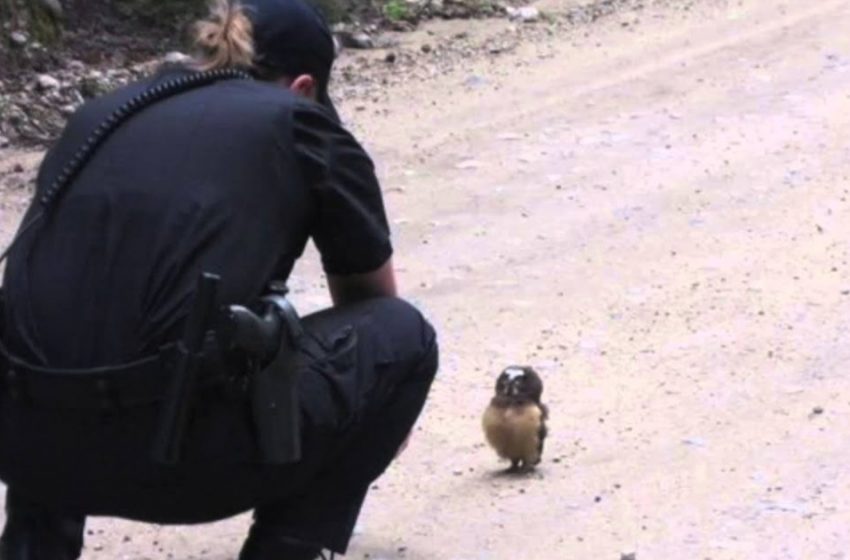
(274, 390)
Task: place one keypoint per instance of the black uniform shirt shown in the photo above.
(231, 178)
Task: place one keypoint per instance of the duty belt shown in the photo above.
(268, 334)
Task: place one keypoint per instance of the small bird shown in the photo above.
(515, 421)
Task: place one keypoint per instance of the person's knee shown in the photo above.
(431, 355)
(415, 339)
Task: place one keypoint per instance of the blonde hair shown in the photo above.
(225, 38)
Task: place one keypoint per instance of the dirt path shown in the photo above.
(656, 216)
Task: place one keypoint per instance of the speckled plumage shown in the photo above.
(515, 421)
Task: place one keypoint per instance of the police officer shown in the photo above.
(227, 166)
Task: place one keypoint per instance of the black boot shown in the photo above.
(265, 545)
(33, 532)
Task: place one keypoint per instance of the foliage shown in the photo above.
(396, 10)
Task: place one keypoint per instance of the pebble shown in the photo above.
(54, 7)
(94, 85)
(469, 164)
(18, 39)
(475, 81)
(175, 57)
(359, 40)
(4, 142)
(628, 556)
(46, 82)
(525, 14)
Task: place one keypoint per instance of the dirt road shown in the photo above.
(656, 216)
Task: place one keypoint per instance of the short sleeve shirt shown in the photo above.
(233, 178)
(350, 229)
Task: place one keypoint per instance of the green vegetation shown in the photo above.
(396, 10)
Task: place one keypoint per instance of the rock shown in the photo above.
(46, 82)
(53, 7)
(68, 109)
(176, 57)
(817, 411)
(15, 183)
(94, 85)
(426, 48)
(469, 164)
(628, 556)
(362, 41)
(4, 142)
(15, 115)
(475, 81)
(384, 42)
(76, 66)
(17, 39)
(356, 40)
(525, 14)
(390, 58)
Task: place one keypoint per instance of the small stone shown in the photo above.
(76, 66)
(17, 39)
(4, 142)
(94, 85)
(175, 57)
(54, 7)
(359, 40)
(390, 58)
(475, 81)
(469, 164)
(426, 48)
(818, 410)
(525, 14)
(628, 556)
(46, 82)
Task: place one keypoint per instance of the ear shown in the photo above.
(304, 85)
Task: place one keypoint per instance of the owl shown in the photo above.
(515, 420)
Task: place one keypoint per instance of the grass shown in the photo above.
(396, 10)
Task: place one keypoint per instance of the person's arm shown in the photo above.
(350, 226)
(352, 288)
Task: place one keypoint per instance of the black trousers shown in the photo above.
(367, 372)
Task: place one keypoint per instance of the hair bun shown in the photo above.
(225, 37)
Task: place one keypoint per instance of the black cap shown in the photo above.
(292, 37)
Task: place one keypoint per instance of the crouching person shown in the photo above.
(224, 168)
